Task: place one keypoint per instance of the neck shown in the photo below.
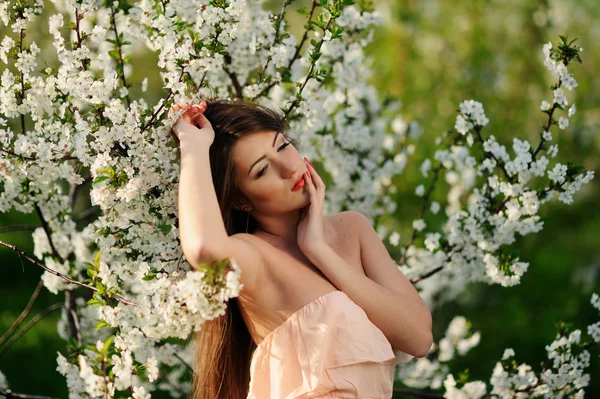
(280, 229)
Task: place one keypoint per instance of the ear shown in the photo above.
(242, 206)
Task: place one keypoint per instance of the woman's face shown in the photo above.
(267, 167)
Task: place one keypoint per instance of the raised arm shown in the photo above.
(202, 232)
(199, 215)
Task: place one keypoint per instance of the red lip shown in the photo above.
(299, 183)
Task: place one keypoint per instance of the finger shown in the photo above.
(309, 185)
(176, 108)
(202, 121)
(318, 182)
(197, 110)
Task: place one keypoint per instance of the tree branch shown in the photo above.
(436, 172)
(21, 227)
(74, 329)
(31, 323)
(24, 313)
(46, 228)
(419, 394)
(67, 278)
(121, 63)
(9, 395)
(88, 212)
(277, 27)
(296, 52)
(233, 77)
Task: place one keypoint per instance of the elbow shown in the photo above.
(194, 254)
(426, 337)
(425, 346)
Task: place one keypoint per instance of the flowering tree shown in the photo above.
(131, 299)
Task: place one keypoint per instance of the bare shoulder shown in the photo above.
(348, 224)
(249, 251)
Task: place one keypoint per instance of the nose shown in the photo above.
(289, 168)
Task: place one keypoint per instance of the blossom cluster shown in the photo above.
(501, 202)
(563, 376)
(492, 198)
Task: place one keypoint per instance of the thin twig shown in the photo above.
(21, 37)
(121, 63)
(499, 162)
(539, 147)
(85, 61)
(46, 228)
(184, 363)
(8, 394)
(158, 111)
(65, 158)
(436, 172)
(31, 323)
(296, 52)
(17, 155)
(234, 80)
(67, 278)
(419, 394)
(21, 227)
(88, 212)
(70, 306)
(24, 313)
(312, 67)
(428, 274)
(278, 26)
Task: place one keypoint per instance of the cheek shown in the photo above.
(262, 192)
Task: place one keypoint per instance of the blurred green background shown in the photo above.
(431, 55)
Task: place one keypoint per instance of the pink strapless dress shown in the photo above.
(327, 349)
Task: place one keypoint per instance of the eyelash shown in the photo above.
(262, 171)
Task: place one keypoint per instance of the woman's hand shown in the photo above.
(191, 122)
(311, 235)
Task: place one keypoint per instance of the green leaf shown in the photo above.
(165, 228)
(97, 260)
(95, 301)
(101, 324)
(108, 343)
(114, 54)
(100, 179)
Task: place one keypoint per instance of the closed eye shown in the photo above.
(264, 168)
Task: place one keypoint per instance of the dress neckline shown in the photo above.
(317, 299)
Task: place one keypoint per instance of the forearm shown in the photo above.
(199, 212)
(402, 320)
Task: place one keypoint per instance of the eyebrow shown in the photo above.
(264, 156)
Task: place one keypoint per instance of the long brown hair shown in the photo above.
(224, 346)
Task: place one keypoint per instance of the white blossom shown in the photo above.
(418, 224)
(420, 190)
(563, 122)
(394, 238)
(545, 106)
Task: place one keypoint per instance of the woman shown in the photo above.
(296, 330)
